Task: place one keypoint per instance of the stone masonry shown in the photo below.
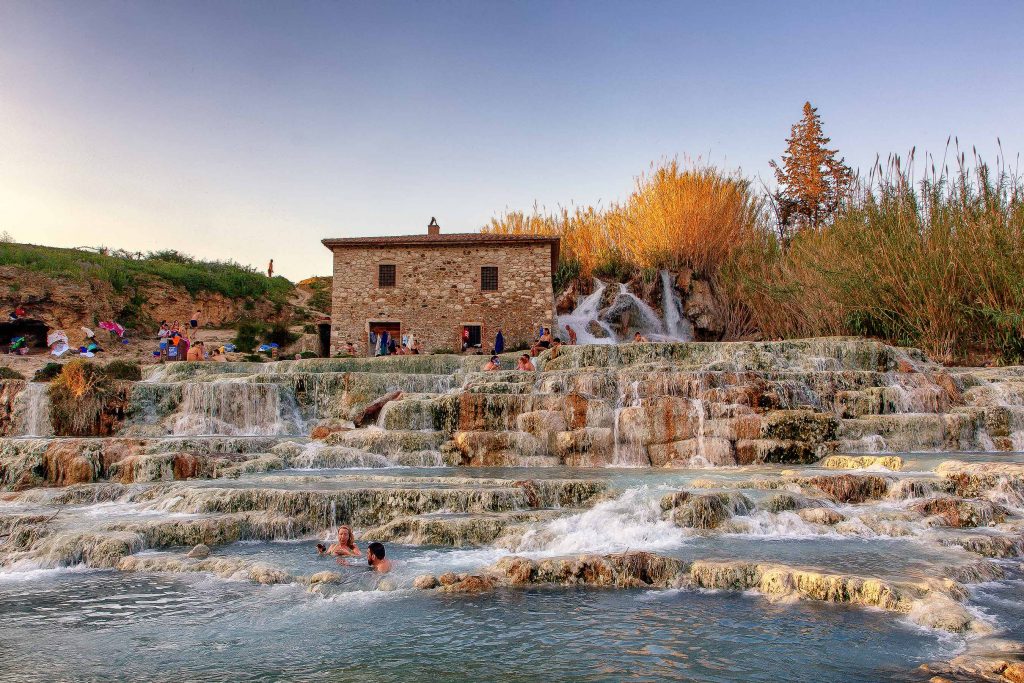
(438, 290)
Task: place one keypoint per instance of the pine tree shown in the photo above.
(812, 181)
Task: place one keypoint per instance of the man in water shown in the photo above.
(525, 363)
(375, 558)
(639, 338)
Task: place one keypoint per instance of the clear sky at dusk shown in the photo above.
(252, 130)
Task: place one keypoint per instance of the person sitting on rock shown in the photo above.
(196, 352)
(543, 343)
(525, 363)
(375, 558)
(493, 364)
(639, 338)
(556, 344)
(345, 545)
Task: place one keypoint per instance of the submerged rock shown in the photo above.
(199, 552)
(856, 462)
(959, 513)
(425, 582)
(851, 488)
(622, 570)
(706, 510)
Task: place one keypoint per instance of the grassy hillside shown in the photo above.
(123, 270)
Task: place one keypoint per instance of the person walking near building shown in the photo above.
(499, 342)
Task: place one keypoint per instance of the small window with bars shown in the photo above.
(489, 278)
(386, 275)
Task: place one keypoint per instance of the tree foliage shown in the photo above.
(813, 180)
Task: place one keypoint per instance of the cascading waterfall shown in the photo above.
(585, 315)
(629, 450)
(234, 408)
(677, 325)
(33, 405)
(653, 327)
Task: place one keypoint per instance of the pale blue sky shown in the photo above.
(252, 130)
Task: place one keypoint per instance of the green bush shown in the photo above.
(254, 358)
(309, 354)
(47, 372)
(279, 334)
(321, 298)
(10, 373)
(248, 336)
(121, 369)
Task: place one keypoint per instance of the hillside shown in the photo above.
(68, 288)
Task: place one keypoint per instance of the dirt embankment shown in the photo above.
(69, 304)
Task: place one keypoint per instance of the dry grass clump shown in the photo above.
(695, 217)
(77, 397)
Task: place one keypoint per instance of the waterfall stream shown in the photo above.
(33, 405)
(234, 408)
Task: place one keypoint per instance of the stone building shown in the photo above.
(441, 286)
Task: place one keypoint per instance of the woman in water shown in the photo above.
(345, 547)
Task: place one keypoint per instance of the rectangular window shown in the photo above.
(386, 275)
(489, 278)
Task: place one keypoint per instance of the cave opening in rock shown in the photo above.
(34, 331)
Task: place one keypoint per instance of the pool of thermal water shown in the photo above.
(85, 624)
(102, 625)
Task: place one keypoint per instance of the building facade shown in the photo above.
(444, 289)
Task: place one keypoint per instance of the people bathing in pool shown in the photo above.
(346, 547)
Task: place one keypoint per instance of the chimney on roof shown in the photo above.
(433, 228)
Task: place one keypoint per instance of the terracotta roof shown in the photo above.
(451, 238)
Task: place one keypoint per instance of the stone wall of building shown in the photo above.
(437, 291)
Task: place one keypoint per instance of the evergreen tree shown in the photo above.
(812, 181)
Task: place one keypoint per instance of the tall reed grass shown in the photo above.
(935, 263)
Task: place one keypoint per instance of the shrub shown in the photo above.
(254, 358)
(279, 334)
(10, 373)
(125, 370)
(77, 397)
(309, 354)
(321, 297)
(695, 217)
(47, 372)
(248, 335)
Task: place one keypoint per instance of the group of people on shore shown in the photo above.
(384, 343)
(179, 341)
(345, 547)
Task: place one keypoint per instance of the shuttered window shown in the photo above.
(489, 278)
(386, 275)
